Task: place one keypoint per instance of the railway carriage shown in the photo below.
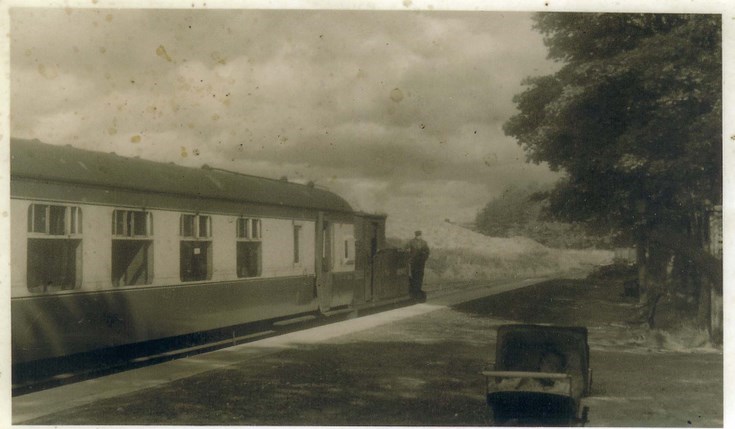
(109, 251)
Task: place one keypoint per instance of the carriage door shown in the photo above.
(324, 237)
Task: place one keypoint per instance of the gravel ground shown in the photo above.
(425, 371)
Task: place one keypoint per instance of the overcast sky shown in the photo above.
(397, 111)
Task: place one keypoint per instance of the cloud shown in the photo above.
(378, 104)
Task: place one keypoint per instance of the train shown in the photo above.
(111, 251)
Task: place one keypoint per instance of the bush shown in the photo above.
(614, 272)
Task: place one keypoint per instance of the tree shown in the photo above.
(515, 206)
(522, 211)
(633, 117)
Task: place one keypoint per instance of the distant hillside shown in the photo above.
(521, 212)
(459, 254)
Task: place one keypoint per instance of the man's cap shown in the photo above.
(417, 233)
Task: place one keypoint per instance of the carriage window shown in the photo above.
(75, 221)
(129, 223)
(205, 227)
(132, 247)
(249, 247)
(187, 226)
(243, 228)
(54, 248)
(37, 214)
(54, 220)
(196, 226)
(248, 228)
(195, 247)
(349, 251)
(296, 244)
(248, 259)
(327, 245)
(196, 260)
(255, 229)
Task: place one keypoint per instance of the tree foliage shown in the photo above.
(515, 206)
(522, 211)
(634, 118)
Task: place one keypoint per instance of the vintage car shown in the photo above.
(540, 375)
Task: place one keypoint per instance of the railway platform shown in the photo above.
(415, 365)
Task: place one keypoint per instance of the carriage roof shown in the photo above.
(37, 161)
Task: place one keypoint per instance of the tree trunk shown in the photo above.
(641, 251)
(716, 318)
(704, 311)
(658, 263)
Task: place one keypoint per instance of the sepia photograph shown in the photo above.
(396, 213)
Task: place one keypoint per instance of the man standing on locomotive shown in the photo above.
(418, 253)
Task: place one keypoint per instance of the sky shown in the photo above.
(399, 112)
